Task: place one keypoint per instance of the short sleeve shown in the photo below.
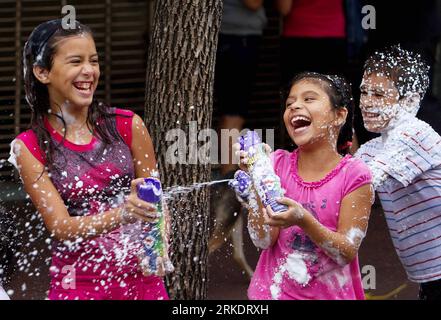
(124, 124)
(411, 153)
(277, 158)
(357, 175)
(30, 140)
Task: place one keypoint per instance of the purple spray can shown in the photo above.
(260, 168)
(153, 256)
(241, 185)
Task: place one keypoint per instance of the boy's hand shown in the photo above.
(291, 217)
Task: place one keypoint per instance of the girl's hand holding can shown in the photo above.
(135, 209)
(293, 216)
(243, 155)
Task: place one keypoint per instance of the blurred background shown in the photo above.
(313, 35)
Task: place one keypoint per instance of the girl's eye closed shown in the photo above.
(289, 102)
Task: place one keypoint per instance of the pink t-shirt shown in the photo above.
(295, 267)
(315, 19)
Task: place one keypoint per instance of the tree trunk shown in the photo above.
(180, 76)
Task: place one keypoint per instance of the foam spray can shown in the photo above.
(242, 186)
(153, 256)
(260, 168)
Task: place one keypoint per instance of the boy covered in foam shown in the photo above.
(405, 162)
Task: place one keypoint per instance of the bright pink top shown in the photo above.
(315, 19)
(123, 125)
(294, 267)
(92, 178)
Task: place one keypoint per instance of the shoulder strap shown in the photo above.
(124, 124)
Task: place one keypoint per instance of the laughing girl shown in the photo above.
(80, 163)
(310, 250)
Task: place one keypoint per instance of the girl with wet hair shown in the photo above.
(405, 161)
(310, 250)
(80, 163)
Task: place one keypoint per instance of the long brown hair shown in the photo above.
(39, 50)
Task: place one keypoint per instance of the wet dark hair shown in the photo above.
(405, 68)
(39, 50)
(340, 95)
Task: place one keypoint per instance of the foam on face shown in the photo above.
(338, 86)
(413, 72)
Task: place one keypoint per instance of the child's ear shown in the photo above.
(342, 114)
(411, 101)
(42, 74)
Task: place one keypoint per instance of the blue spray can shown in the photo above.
(153, 256)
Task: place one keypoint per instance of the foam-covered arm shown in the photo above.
(373, 156)
(404, 152)
(262, 235)
(247, 196)
(379, 175)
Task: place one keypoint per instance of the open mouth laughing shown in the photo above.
(84, 87)
(300, 123)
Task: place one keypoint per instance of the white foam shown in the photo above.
(14, 153)
(296, 269)
(259, 242)
(391, 149)
(336, 279)
(3, 294)
(334, 253)
(355, 235)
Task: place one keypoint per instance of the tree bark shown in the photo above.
(179, 89)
